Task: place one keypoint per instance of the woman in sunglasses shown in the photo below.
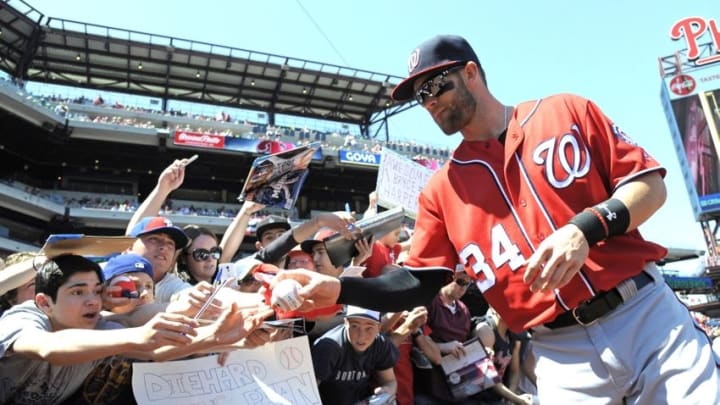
(198, 261)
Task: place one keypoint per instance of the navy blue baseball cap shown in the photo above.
(435, 54)
(127, 263)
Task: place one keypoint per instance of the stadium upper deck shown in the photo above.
(46, 49)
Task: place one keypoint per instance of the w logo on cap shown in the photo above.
(413, 60)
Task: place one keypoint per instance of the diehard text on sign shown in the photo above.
(275, 373)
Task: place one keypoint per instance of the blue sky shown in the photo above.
(603, 50)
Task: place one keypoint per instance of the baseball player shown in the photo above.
(541, 204)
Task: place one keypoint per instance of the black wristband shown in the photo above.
(597, 223)
(616, 215)
(416, 333)
(590, 225)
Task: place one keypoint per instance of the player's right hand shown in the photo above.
(557, 259)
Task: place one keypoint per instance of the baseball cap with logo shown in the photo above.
(358, 312)
(271, 222)
(435, 54)
(127, 263)
(152, 225)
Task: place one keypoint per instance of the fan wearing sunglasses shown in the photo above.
(198, 261)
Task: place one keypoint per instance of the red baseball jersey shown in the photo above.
(381, 256)
(491, 205)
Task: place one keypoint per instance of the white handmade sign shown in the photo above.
(275, 373)
(400, 181)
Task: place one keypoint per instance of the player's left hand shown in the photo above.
(557, 259)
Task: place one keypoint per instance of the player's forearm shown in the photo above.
(277, 248)
(398, 290)
(642, 197)
(74, 346)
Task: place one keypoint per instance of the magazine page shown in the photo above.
(276, 180)
(471, 373)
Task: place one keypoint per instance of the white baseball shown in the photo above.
(285, 295)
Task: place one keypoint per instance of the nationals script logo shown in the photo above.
(575, 162)
(413, 60)
(692, 29)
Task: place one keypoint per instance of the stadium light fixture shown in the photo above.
(252, 82)
(78, 57)
(350, 97)
(197, 74)
(304, 90)
(140, 66)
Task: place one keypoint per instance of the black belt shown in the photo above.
(600, 305)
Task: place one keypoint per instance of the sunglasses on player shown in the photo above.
(201, 255)
(436, 86)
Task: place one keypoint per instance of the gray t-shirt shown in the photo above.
(169, 285)
(28, 381)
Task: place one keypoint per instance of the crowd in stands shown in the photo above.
(97, 201)
(155, 118)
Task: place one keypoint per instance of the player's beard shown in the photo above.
(459, 111)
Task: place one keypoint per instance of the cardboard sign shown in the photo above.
(275, 373)
(400, 181)
(85, 245)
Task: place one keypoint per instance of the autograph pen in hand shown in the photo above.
(207, 303)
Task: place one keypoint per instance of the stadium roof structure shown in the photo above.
(46, 49)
